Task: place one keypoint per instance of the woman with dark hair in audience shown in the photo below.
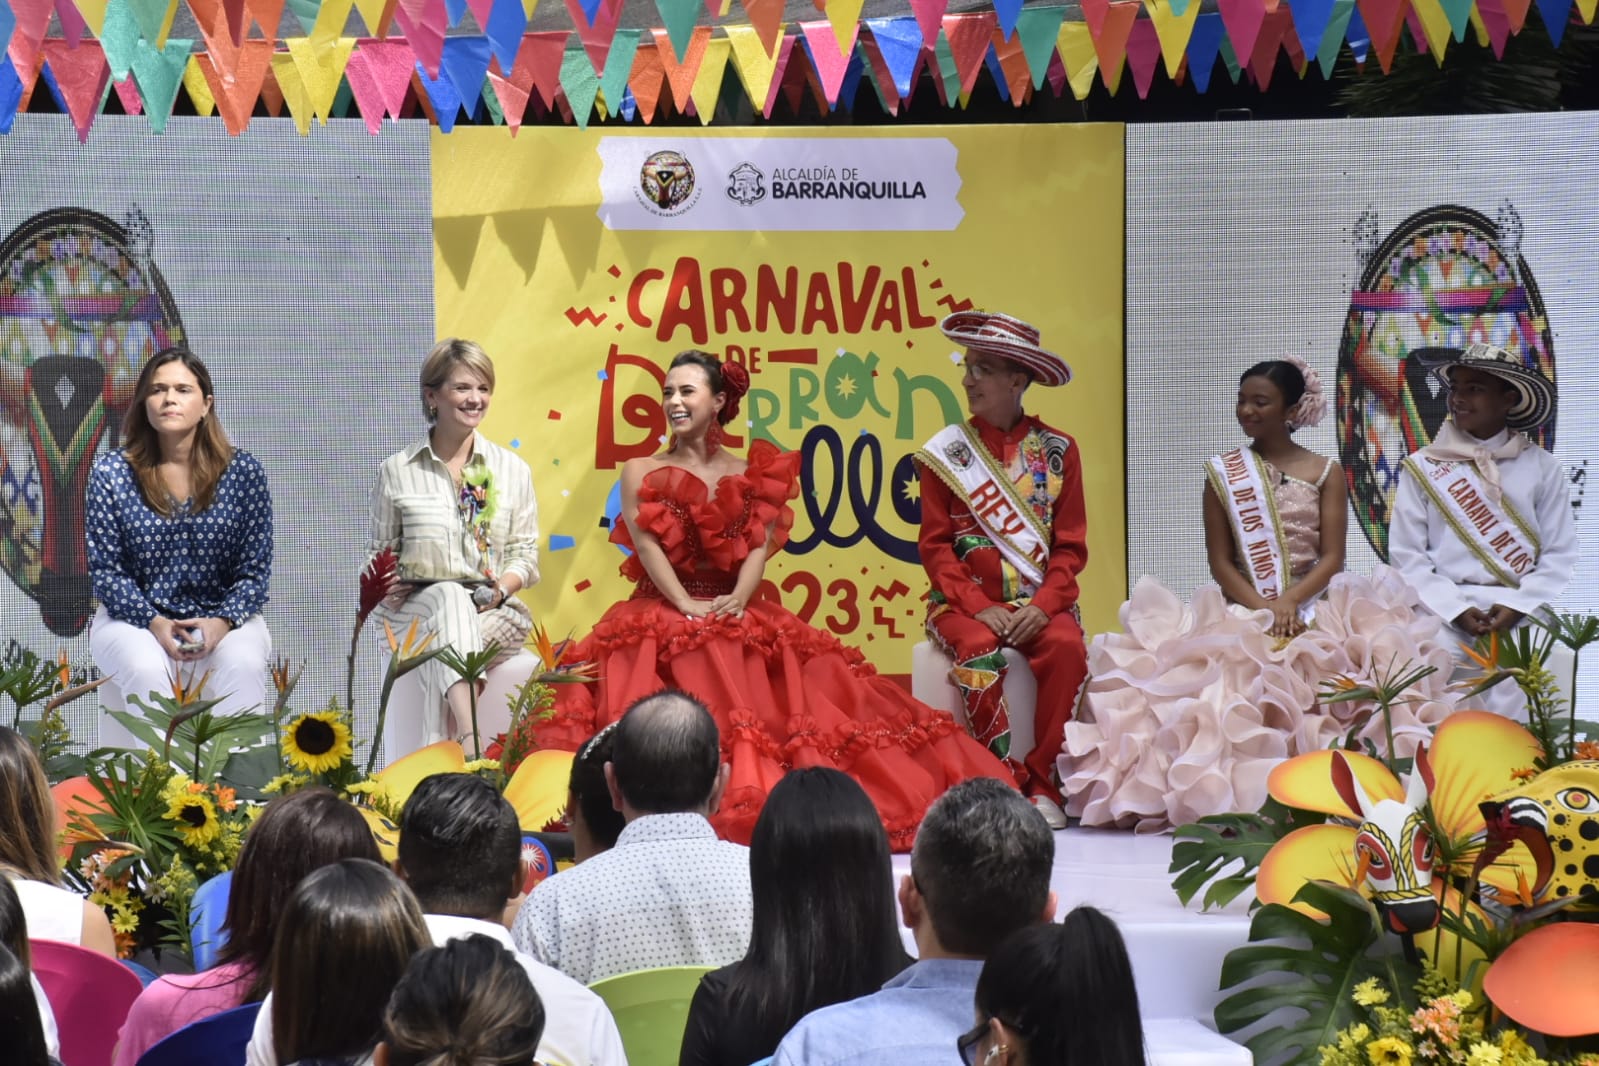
(14, 938)
(343, 942)
(825, 926)
(28, 855)
(593, 819)
(179, 530)
(468, 1003)
(293, 836)
(21, 1034)
(1026, 979)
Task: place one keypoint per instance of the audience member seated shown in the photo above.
(344, 939)
(979, 872)
(1027, 978)
(593, 819)
(21, 1034)
(670, 893)
(466, 1003)
(28, 855)
(461, 855)
(825, 929)
(14, 937)
(293, 836)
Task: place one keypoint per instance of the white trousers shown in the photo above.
(132, 658)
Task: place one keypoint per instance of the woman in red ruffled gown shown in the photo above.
(701, 523)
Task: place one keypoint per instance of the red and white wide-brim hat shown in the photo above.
(1008, 338)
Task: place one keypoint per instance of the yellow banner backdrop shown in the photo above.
(584, 260)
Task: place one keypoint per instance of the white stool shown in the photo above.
(410, 726)
(930, 683)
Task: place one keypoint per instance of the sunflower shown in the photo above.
(317, 742)
(196, 817)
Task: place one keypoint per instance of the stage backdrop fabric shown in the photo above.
(297, 268)
(584, 260)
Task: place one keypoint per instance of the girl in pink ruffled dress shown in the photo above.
(1187, 710)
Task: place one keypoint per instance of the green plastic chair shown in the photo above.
(651, 1010)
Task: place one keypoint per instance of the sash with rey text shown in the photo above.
(1241, 483)
(1496, 534)
(961, 461)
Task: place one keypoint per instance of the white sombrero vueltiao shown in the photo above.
(1010, 339)
(1535, 394)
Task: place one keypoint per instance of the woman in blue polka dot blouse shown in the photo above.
(179, 526)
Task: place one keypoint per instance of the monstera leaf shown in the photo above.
(1310, 968)
(1224, 851)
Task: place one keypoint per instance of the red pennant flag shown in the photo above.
(379, 73)
(1013, 61)
(646, 81)
(33, 19)
(1057, 74)
(1516, 11)
(968, 34)
(930, 16)
(888, 92)
(830, 66)
(267, 14)
(236, 94)
(1383, 19)
(26, 60)
(237, 23)
(1243, 19)
(767, 18)
(512, 98)
(1110, 43)
(81, 75)
(1274, 31)
(128, 93)
(272, 94)
(797, 78)
(680, 76)
(538, 64)
(596, 36)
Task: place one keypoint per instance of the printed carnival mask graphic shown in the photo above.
(1445, 277)
(82, 307)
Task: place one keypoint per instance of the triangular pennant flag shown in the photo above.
(267, 14)
(1225, 50)
(331, 20)
(238, 22)
(1458, 12)
(540, 57)
(1435, 26)
(379, 73)
(1556, 14)
(1382, 19)
(376, 14)
(1110, 42)
(767, 18)
(708, 82)
(466, 63)
(424, 24)
(507, 22)
(930, 17)
(443, 97)
(1143, 55)
(1202, 45)
(752, 63)
(678, 16)
(453, 10)
(588, 8)
(647, 80)
(853, 73)
(1038, 27)
(845, 18)
(1173, 31)
(1310, 20)
(197, 88)
(1057, 73)
(491, 103)
(1276, 27)
(680, 76)
(305, 12)
(271, 95)
(1516, 11)
(946, 74)
(120, 36)
(1243, 19)
(212, 20)
(1078, 56)
(236, 95)
(882, 77)
(287, 76)
(619, 64)
(996, 73)
(785, 52)
(830, 66)
(797, 78)
(580, 83)
(81, 77)
(1496, 23)
(8, 23)
(595, 32)
(72, 24)
(1007, 12)
(899, 42)
(1418, 32)
(128, 92)
(1012, 62)
(321, 69)
(1332, 38)
(32, 19)
(969, 34)
(512, 97)
(1587, 9)
(10, 95)
(27, 60)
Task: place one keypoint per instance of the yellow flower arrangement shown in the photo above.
(195, 816)
(317, 741)
(1388, 1051)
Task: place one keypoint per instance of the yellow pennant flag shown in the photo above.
(293, 91)
(199, 90)
(321, 68)
(1173, 30)
(708, 82)
(331, 18)
(93, 12)
(530, 6)
(1586, 8)
(375, 13)
(755, 68)
(1436, 23)
(1076, 47)
(845, 15)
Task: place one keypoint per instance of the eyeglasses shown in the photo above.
(979, 371)
(967, 1043)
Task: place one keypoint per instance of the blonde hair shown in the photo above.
(141, 444)
(446, 355)
(27, 812)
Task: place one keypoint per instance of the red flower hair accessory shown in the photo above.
(735, 383)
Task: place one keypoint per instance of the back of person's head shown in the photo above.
(460, 846)
(344, 938)
(590, 812)
(666, 755)
(21, 1030)
(293, 836)
(981, 863)
(825, 928)
(13, 923)
(1083, 962)
(468, 1003)
(27, 813)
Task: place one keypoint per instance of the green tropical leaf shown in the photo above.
(1308, 970)
(1224, 851)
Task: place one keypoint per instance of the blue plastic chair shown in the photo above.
(206, 913)
(219, 1040)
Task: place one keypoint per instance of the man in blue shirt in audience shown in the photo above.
(979, 871)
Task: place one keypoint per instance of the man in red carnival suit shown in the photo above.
(1003, 539)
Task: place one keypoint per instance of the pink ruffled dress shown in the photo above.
(1187, 709)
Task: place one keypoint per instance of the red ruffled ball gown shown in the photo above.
(784, 695)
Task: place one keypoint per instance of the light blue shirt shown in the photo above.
(913, 1021)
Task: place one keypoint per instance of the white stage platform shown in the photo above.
(1177, 951)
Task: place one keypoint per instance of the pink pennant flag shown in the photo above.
(1143, 55)
(72, 25)
(424, 23)
(128, 93)
(379, 73)
(1497, 22)
(480, 12)
(33, 19)
(930, 16)
(1056, 74)
(830, 66)
(969, 34)
(1243, 19)
(512, 98)
(785, 52)
(81, 74)
(1274, 30)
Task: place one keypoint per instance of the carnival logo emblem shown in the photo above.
(745, 184)
(666, 183)
(960, 456)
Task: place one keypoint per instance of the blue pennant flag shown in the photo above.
(1203, 45)
(507, 23)
(997, 72)
(1008, 11)
(1556, 16)
(1310, 21)
(442, 95)
(900, 41)
(466, 64)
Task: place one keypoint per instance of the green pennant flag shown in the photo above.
(151, 16)
(342, 99)
(1039, 26)
(618, 65)
(580, 83)
(679, 17)
(1332, 39)
(948, 72)
(118, 36)
(305, 13)
(159, 73)
(1230, 57)
(491, 102)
